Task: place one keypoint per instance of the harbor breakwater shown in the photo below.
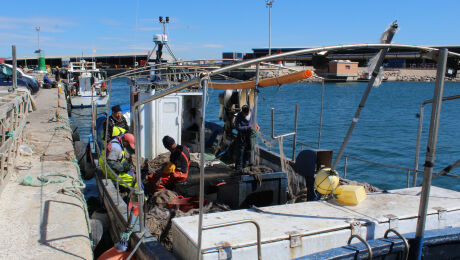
(391, 74)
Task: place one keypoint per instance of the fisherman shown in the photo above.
(117, 123)
(176, 171)
(118, 160)
(47, 82)
(57, 74)
(244, 126)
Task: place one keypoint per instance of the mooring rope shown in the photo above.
(74, 190)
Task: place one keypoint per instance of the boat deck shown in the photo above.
(295, 230)
(42, 222)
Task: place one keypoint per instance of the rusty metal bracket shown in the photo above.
(295, 240)
(442, 216)
(355, 227)
(393, 221)
(225, 252)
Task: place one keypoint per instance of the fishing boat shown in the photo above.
(84, 85)
(407, 223)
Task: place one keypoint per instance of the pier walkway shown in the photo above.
(44, 222)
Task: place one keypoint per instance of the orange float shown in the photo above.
(114, 254)
(289, 78)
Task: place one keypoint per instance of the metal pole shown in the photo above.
(38, 39)
(254, 114)
(417, 147)
(321, 114)
(202, 164)
(431, 151)
(345, 167)
(273, 123)
(138, 174)
(380, 58)
(269, 30)
(295, 131)
(269, 4)
(15, 74)
(408, 178)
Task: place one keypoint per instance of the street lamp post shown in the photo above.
(269, 4)
(38, 38)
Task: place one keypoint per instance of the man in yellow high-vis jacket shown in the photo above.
(117, 161)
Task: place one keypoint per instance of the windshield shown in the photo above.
(5, 70)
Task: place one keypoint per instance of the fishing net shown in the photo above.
(293, 180)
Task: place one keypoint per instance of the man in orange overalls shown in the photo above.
(176, 171)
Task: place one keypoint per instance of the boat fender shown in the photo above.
(326, 181)
(97, 231)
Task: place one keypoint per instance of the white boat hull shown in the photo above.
(85, 101)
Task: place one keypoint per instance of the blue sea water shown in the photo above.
(386, 131)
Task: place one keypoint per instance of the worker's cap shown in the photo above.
(130, 139)
(168, 141)
(245, 109)
(116, 108)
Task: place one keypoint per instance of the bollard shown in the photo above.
(59, 95)
(58, 118)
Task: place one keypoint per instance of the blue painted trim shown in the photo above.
(392, 245)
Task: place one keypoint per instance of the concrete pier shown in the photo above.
(44, 222)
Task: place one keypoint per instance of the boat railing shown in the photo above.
(419, 133)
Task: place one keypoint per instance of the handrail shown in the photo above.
(259, 239)
(419, 134)
(406, 244)
(369, 249)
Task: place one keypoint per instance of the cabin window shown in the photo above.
(347, 67)
(169, 107)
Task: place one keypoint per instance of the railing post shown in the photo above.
(431, 151)
(417, 146)
(202, 164)
(345, 167)
(321, 114)
(295, 132)
(408, 178)
(273, 122)
(15, 73)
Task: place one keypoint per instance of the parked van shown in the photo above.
(6, 78)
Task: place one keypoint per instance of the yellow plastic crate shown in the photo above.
(350, 194)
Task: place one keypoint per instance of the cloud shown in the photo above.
(10, 38)
(46, 24)
(139, 47)
(112, 38)
(213, 45)
(109, 22)
(148, 29)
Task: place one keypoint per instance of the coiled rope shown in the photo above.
(73, 190)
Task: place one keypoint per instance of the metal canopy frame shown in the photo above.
(427, 52)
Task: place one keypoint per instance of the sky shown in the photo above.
(203, 29)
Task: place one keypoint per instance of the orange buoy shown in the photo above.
(114, 254)
(289, 78)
